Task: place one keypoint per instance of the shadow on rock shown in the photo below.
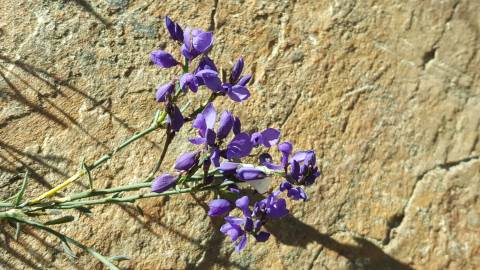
(293, 232)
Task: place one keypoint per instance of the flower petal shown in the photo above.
(202, 41)
(236, 70)
(186, 161)
(270, 137)
(238, 93)
(163, 91)
(244, 80)
(218, 207)
(240, 146)
(226, 124)
(211, 80)
(163, 59)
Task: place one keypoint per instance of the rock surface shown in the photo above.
(387, 93)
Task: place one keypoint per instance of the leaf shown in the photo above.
(61, 220)
(22, 189)
(120, 258)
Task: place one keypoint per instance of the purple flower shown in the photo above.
(176, 32)
(218, 207)
(244, 80)
(163, 183)
(196, 42)
(226, 124)
(190, 81)
(268, 137)
(234, 231)
(186, 161)
(249, 173)
(262, 236)
(210, 79)
(240, 146)
(236, 92)
(163, 59)
(270, 207)
(163, 91)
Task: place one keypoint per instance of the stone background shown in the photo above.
(387, 92)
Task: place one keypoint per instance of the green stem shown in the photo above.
(133, 198)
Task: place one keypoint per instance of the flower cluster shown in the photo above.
(222, 146)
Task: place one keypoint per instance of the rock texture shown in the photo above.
(387, 92)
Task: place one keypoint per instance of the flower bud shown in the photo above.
(248, 173)
(163, 91)
(218, 207)
(186, 161)
(163, 59)
(164, 182)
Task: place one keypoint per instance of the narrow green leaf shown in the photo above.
(89, 175)
(84, 210)
(22, 189)
(61, 220)
(120, 258)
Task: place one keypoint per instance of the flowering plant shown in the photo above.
(216, 162)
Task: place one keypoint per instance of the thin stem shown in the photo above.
(168, 140)
(133, 198)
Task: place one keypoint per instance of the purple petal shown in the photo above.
(238, 93)
(226, 124)
(228, 167)
(210, 115)
(236, 125)
(241, 244)
(187, 38)
(295, 170)
(242, 204)
(189, 80)
(248, 224)
(197, 141)
(163, 59)
(163, 91)
(236, 70)
(175, 118)
(249, 173)
(266, 160)
(234, 220)
(188, 53)
(206, 63)
(186, 161)
(215, 157)
(176, 32)
(297, 194)
(200, 124)
(285, 186)
(244, 80)
(262, 236)
(256, 139)
(202, 41)
(240, 146)
(270, 137)
(218, 207)
(210, 136)
(163, 183)
(211, 80)
(278, 209)
(300, 156)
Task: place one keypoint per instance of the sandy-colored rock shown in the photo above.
(386, 92)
